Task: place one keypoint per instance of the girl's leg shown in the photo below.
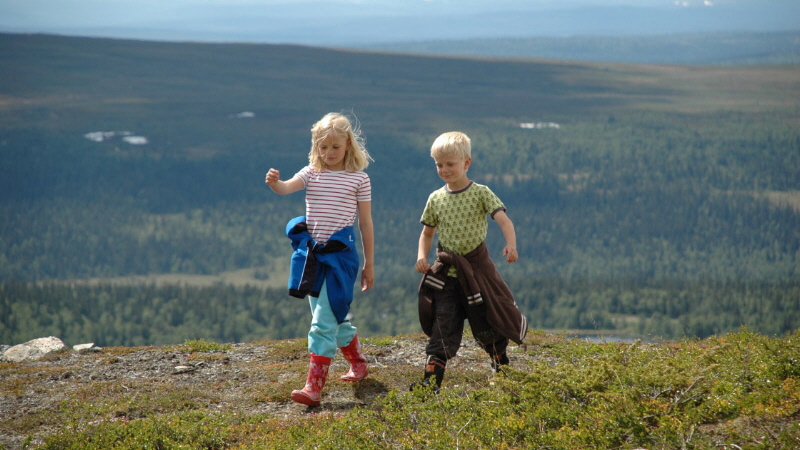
(311, 394)
(322, 336)
(321, 346)
(358, 364)
(348, 343)
(345, 334)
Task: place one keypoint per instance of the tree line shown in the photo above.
(637, 183)
(126, 315)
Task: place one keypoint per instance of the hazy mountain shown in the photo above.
(348, 23)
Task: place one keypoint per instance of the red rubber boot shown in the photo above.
(311, 394)
(358, 365)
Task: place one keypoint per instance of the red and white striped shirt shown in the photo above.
(332, 199)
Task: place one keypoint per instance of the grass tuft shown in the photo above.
(740, 390)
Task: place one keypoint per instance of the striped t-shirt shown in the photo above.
(332, 199)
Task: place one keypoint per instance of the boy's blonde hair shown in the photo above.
(452, 143)
(356, 156)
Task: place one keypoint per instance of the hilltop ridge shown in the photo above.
(740, 389)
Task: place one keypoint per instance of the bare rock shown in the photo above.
(33, 350)
(90, 347)
(183, 369)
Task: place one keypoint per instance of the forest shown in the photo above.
(137, 315)
(658, 202)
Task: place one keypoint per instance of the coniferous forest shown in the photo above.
(650, 201)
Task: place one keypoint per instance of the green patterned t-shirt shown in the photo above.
(460, 216)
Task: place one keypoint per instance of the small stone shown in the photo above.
(183, 369)
(90, 347)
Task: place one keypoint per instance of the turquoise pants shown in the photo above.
(325, 335)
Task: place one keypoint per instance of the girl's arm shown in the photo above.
(510, 250)
(367, 244)
(424, 248)
(273, 180)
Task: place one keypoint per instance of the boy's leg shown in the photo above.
(434, 373)
(498, 361)
(449, 313)
(448, 328)
(492, 342)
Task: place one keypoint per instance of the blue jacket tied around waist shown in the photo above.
(335, 263)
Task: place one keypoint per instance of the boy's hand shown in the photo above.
(273, 176)
(510, 253)
(422, 265)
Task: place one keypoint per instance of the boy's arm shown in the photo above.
(510, 250)
(273, 180)
(367, 244)
(424, 248)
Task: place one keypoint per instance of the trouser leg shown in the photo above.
(491, 341)
(449, 314)
(324, 328)
(448, 328)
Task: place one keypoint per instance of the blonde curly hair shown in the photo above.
(356, 156)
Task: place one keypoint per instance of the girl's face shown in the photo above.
(332, 151)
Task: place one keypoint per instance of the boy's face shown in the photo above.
(452, 169)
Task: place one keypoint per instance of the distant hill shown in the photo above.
(721, 48)
(649, 200)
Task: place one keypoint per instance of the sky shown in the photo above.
(351, 22)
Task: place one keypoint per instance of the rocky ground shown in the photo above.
(76, 388)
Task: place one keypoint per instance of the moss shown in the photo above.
(738, 389)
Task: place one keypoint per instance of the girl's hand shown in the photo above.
(273, 176)
(422, 265)
(510, 253)
(367, 278)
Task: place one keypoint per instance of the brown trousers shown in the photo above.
(450, 310)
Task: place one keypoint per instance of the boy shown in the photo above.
(463, 282)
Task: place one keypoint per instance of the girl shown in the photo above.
(337, 190)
